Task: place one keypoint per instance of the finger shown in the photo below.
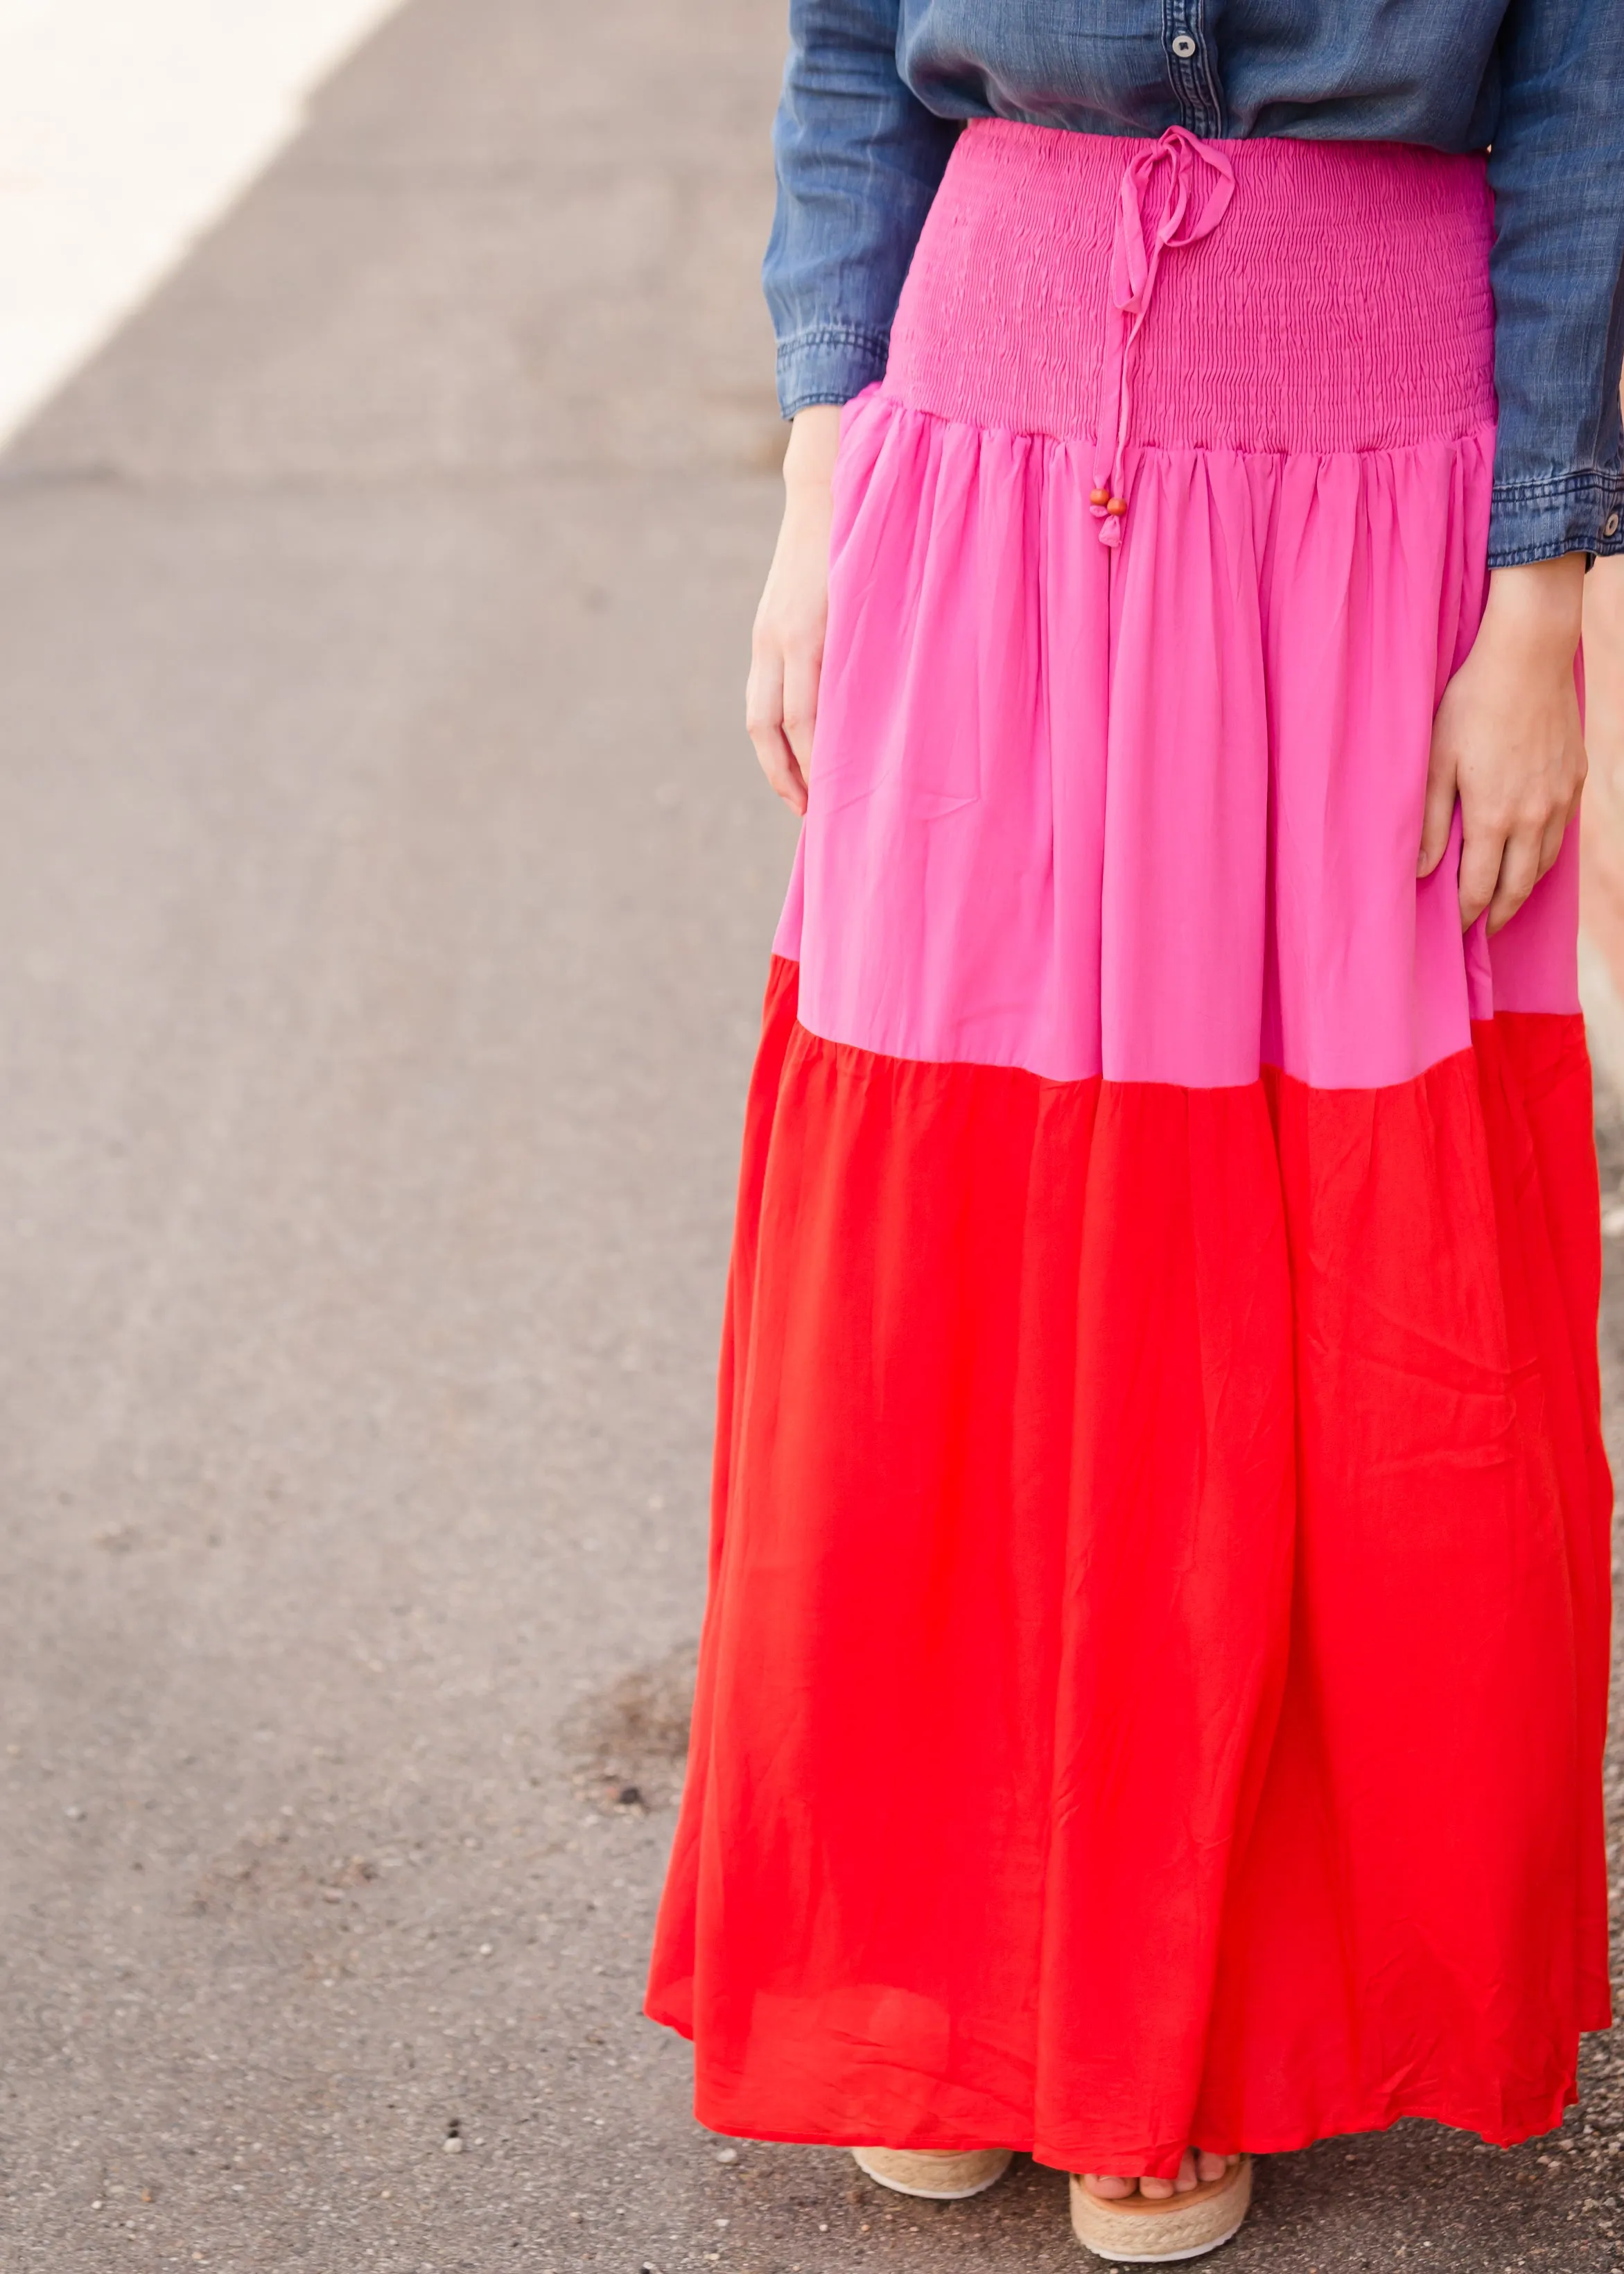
(1482, 851)
(801, 669)
(1551, 843)
(1438, 816)
(779, 763)
(1519, 873)
(763, 716)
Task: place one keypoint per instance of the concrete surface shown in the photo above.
(385, 887)
(127, 127)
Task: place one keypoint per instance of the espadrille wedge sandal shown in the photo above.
(1137, 2231)
(941, 2175)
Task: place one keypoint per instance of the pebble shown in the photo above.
(453, 2146)
(728, 2155)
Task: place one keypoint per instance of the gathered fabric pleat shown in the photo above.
(986, 878)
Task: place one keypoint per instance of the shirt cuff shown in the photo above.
(828, 364)
(1540, 521)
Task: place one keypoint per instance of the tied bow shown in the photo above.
(1202, 184)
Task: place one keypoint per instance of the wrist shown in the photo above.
(813, 441)
(1540, 603)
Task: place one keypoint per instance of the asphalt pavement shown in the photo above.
(386, 887)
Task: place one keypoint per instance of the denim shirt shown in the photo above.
(874, 89)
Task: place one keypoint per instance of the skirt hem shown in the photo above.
(1543, 2117)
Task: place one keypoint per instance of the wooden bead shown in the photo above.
(1116, 505)
(1098, 497)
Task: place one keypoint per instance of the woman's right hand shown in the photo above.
(786, 646)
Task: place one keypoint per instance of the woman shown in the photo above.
(1151, 1694)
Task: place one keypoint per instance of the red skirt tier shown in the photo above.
(1154, 1679)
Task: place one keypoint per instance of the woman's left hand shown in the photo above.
(1508, 740)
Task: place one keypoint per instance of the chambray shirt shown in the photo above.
(874, 89)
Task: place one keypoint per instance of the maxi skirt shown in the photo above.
(1154, 1679)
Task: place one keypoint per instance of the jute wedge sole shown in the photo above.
(939, 2176)
(1138, 2233)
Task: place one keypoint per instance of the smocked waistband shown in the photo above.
(1341, 302)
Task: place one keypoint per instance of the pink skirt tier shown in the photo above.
(1154, 1675)
(1155, 816)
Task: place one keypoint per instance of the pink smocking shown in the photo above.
(1342, 301)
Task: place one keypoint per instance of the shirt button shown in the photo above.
(1610, 527)
(1184, 46)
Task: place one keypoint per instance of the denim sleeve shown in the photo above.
(859, 160)
(1557, 170)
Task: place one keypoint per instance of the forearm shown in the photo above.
(1556, 169)
(858, 158)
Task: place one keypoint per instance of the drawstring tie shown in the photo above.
(1195, 205)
